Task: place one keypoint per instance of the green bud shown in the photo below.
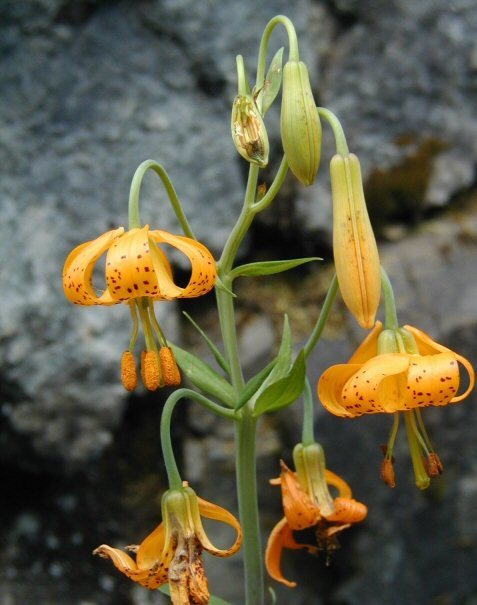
(248, 131)
(300, 124)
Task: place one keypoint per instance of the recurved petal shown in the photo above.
(427, 346)
(280, 538)
(348, 510)
(203, 268)
(150, 551)
(131, 268)
(149, 578)
(343, 488)
(369, 347)
(300, 512)
(212, 511)
(330, 390)
(376, 387)
(432, 380)
(78, 270)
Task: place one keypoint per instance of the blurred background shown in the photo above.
(91, 88)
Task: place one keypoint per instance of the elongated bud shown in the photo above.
(310, 468)
(356, 254)
(248, 131)
(300, 124)
(128, 371)
(169, 369)
(150, 370)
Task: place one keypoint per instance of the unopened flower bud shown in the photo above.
(248, 131)
(356, 255)
(128, 371)
(300, 124)
(150, 370)
(169, 369)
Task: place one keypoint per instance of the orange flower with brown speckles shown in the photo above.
(172, 552)
(303, 511)
(138, 272)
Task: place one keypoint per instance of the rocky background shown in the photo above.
(91, 88)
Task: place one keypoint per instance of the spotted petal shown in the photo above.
(369, 347)
(135, 267)
(330, 389)
(79, 267)
(300, 512)
(427, 346)
(203, 269)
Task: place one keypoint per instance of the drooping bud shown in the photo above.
(300, 124)
(387, 472)
(354, 245)
(169, 368)
(310, 468)
(128, 371)
(150, 370)
(248, 130)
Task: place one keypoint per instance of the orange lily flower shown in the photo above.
(172, 552)
(138, 272)
(303, 512)
(395, 371)
(371, 383)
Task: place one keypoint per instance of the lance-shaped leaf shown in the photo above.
(270, 267)
(267, 94)
(204, 377)
(285, 391)
(282, 362)
(219, 358)
(254, 384)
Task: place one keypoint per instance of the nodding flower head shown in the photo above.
(172, 553)
(137, 272)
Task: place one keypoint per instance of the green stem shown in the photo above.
(242, 85)
(134, 219)
(173, 475)
(293, 54)
(248, 509)
(275, 187)
(308, 433)
(323, 318)
(390, 313)
(338, 132)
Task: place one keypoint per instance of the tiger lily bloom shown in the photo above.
(172, 552)
(394, 371)
(302, 510)
(138, 272)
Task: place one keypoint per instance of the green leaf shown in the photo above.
(204, 377)
(285, 391)
(213, 600)
(219, 358)
(270, 267)
(254, 384)
(271, 85)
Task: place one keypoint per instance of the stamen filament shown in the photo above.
(420, 473)
(160, 334)
(392, 436)
(146, 325)
(135, 328)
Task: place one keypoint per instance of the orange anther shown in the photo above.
(170, 371)
(128, 371)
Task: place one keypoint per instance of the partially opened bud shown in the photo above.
(248, 131)
(356, 255)
(300, 124)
